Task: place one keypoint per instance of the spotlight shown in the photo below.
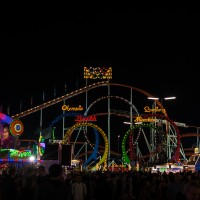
(32, 158)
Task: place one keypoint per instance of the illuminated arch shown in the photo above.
(72, 114)
(125, 157)
(41, 145)
(177, 152)
(110, 96)
(103, 98)
(94, 153)
(80, 124)
(160, 116)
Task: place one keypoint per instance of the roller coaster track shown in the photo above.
(189, 135)
(126, 114)
(84, 90)
(142, 157)
(112, 152)
(188, 149)
(101, 151)
(77, 92)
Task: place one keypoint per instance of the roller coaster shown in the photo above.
(94, 131)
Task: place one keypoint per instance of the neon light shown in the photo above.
(16, 127)
(125, 157)
(140, 119)
(177, 151)
(5, 118)
(97, 73)
(42, 144)
(20, 154)
(147, 109)
(105, 155)
(13, 160)
(67, 108)
(80, 118)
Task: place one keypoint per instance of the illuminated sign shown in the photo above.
(68, 108)
(140, 119)
(80, 118)
(19, 154)
(177, 123)
(196, 150)
(97, 73)
(147, 109)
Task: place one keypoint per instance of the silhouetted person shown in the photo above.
(102, 188)
(9, 186)
(41, 176)
(79, 189)
(54, 187)
(191, 191)
(28, 190)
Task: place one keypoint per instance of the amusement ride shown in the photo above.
(89, 119)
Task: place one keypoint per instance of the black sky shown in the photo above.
(155, 50)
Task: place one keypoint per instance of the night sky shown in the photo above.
(154, 50)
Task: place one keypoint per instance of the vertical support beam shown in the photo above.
(86, 153)
(40, 131)
(198, 144)
(86, 94)
(168, 147)
(86, 106)
(108, 125)
(152, 134)
(131, 109)
(63, 130)
(131, 125)
(40, 122)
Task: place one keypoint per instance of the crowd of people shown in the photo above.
(39, 183)
(54, 183)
